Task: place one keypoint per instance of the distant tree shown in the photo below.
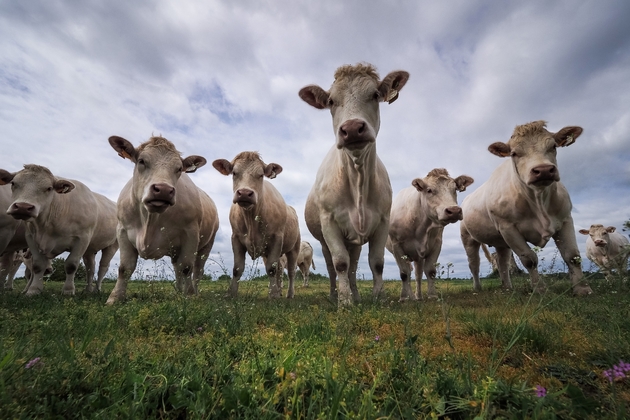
(449, 269)
(438, 270)
(59, 271)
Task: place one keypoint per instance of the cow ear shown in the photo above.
(584, 231)
(124, 148)
(567, 136)
(5, 177)
(314, 96)
(272, 170)
(462, 181)
(500, 149)
(192, 163)
(419, 184)
(392, 84)
(63, 186)
(611, 229)
(224, 166)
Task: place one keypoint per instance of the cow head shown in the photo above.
(32, 190)
(158, 168)
(533, 152)
(247, 170)
(353, 101)
(599, 234)
(439, 195)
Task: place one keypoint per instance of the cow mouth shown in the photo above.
(245, 204)
(601, 245)
(157, 206)
(543, 183)
(21, 216)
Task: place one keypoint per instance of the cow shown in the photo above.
(161, 212)
(418, 217)
(492, 259)
(349, 204)
(263, 225)
(62, 215)
(304, 261)
(606, 248)
(12, 238)
(524, 201)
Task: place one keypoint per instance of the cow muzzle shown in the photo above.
(354, 134)
(245, 198)
(22, 211)
(160, 197)
(452, 214)
(543, 175)
(600, 243)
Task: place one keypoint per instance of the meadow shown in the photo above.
(495, 354)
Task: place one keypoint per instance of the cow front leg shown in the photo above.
(354, 253)
(239, 266)
(274, 268)
(6, 265)
(528, 258)
(291, 270)
(376, 257)
(567, 245)
(128, 262)
(332, 273)
(504, 256)
(103, 265)
(404, 267)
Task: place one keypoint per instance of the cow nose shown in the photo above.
(544, 172)
(600, 242)
(163, 190)
(454, 212)
(20, 208)
(244, 193)
(353, 130)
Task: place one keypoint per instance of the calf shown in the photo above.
(350, 201)
(606, 248)
(263, 225)
(524, 201)
(419, 214)
(62, 215)
(161, 212)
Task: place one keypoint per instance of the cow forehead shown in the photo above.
(248, 160)
(532, 133)
(359, 77)
(597, 230)
(35, 174)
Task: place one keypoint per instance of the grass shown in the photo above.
(160, 355)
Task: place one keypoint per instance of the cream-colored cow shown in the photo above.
(161, 212)
(62, 215)
(524, 201)
(606, 248)
(263, 225)
(419, 214)
(350, 201)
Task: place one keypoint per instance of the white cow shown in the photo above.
(419, 215)
(263, 225)
(161, 212)
(606, 248)
(62, 215)
(350, 202)
(524, 201)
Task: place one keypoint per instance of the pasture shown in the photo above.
(163, 355)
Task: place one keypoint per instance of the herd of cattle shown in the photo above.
(161, 212)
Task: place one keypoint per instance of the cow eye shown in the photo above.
(179, 169)
(49, 189)
(513, 154)
(141, 161)
(331, 102)
(376, 96)
(429, 190)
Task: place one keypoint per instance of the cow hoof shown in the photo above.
(582, 290)
(433, 297)
(69, 292)
(33, 292)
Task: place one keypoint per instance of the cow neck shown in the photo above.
(360, 175)
(42, 227)
(255, 226)
(432, 229)
(538, 201)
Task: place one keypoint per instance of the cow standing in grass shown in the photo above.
(606, 248)
(161, 212)
(263, 225)
(524, 201)
(419, 215)
(62, 215)
(350, 202)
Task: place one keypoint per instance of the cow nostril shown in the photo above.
(361, 128)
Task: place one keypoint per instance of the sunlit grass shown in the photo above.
(163, 355)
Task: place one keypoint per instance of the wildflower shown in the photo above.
(617, 371)
(541, 391)
(32, 363)
(377, 338)
(292, 375)
(199, 329)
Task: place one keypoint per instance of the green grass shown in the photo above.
(160, 355)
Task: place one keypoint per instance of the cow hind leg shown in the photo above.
(89, 260)
(128, 262)
(471, 247)
(291, 270)
(504, 256)
(103, 265)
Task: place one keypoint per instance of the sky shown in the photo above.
(220, 77)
